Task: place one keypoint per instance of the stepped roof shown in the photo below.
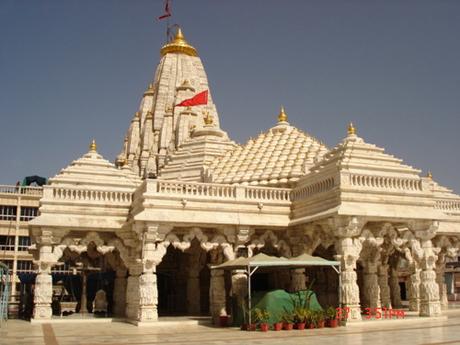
(355, 155)
(93, 170)
(278, 157)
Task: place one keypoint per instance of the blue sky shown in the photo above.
(74, 70)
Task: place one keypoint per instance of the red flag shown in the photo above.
(167, 11)
(199, 98)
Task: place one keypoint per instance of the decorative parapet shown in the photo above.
(450, 206)
(314, 188)
(222, 191)
(79, 194)
(384, 182)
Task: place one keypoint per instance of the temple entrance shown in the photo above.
(83, 283)
(183, 280)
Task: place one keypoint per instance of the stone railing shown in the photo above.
(75, 194)
(8, 189)
(222, 191)
(448, 205)
(308, 190)
(264, 193)
(196, 189)
(369, 181)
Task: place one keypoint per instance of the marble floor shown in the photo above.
(427, 332)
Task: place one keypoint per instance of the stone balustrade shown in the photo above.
(313, 188)
(448, 205)
(368, 181)
(265, 193)
(74, 194)
(223, 191)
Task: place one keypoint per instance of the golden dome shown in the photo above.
(178, 45)
(351, 129)
(282, 117)
(93, 146)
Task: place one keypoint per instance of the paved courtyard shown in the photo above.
(414, 332)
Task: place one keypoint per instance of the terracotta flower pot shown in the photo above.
(333, 323)
(288, 326)
(264, 327)
(321, 324)
(252, 327)
(300, 326)
(278, 326)
(223, 320)
(311, 325)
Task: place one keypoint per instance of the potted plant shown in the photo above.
(331, 314)
(287, 320)
(262, 316)
(300, 317)
(320, 319)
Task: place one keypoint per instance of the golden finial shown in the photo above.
(282, 117)
(351, 129)
(429, 175)
(208, 119)
(178, 45)
(93, 146)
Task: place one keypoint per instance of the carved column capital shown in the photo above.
(345, 226)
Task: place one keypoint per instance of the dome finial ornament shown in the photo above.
(178, 45)
(429, 175)
(282, 117)
(93, 146)
(351, 129)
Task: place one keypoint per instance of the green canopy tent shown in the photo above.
(252, 264)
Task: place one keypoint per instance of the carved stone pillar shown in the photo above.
(148, 293)
(217, 295)
(429, 289)
(132, 293)
(298, 280)
(141, 295)
(423, 252)
(348, 253)
(371, 286)
(43, 291)
(395, 289)
(385, 299)
(119, 293)
(414, 288)
(43, 294)
(440, 271)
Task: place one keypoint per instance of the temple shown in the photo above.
(182, 196)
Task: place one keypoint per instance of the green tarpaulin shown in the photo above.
(276, 302)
